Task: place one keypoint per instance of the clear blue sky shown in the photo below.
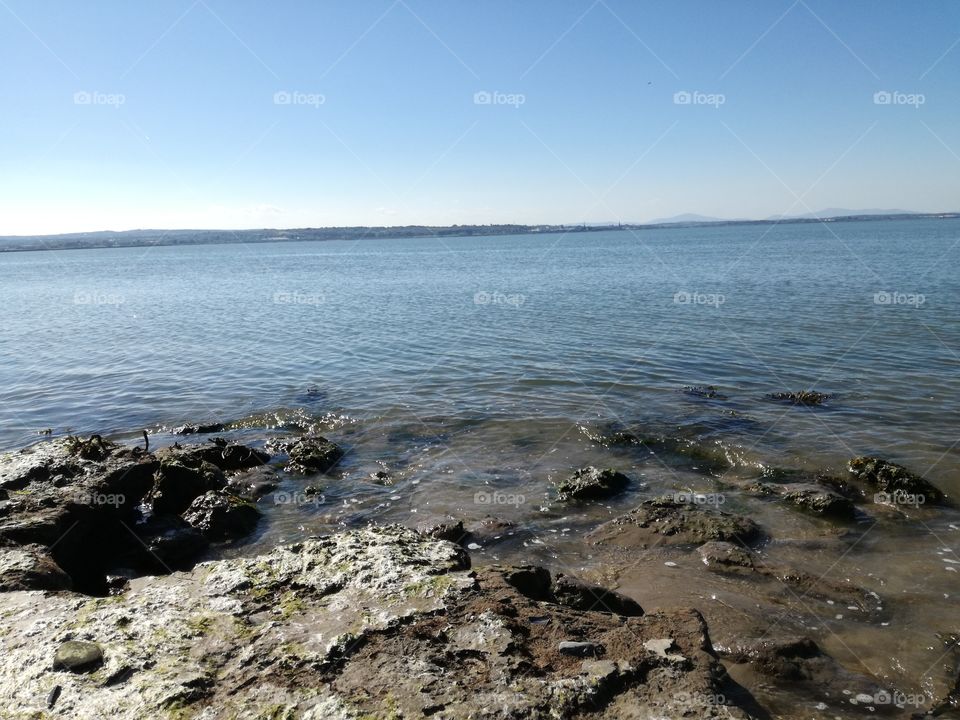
(125, 114)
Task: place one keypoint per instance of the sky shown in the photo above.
(296, 113)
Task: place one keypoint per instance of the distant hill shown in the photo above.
(840, 212)
(691, 218)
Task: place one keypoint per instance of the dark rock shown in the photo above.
(446, 530)
(530, 581)
(171, 543)
(809, 497)
(226, 456)
(177, 485)
(709, 392)
(590, 483)
(666, 521)
(30, 567)
(199, 429)
(254, 483)
(580, 649)
(220, 516)
(577, 594)
(726, 557)
(892, 479)
(78, 656)
(314, 454)
(803, 397)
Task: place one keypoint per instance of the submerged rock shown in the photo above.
(895, 481)
(665, 521)
(809, 497)
(314, 454)
(590, 483)
(347, 626)
(803, 397)
(710, 392)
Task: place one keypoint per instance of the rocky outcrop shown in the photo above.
(92, 508)
(666, 521)
(802, 397)
(809, 497)
(380, 622)
(896, 482)
(309, 454)
(591, 483)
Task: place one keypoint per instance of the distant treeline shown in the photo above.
(143, 238)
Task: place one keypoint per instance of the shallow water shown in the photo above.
(473, 370)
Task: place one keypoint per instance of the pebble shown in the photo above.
(474, 546)
(580, 649)
(670, 563)
(78, 656)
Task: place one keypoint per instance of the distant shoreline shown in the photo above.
(163, 238)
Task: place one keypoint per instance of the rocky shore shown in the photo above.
(115, 602)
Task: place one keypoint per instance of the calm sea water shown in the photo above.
(465, 366)
(525, 332)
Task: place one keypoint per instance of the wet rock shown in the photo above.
(726, 557)
(803, 397)
(345, 626)
(78, 656)
(577, 594)
(590, 483)
(661, 648)
(580, 649)
(444, 530)
(199, 429)
(809, 497)
(226, 456)
(221, 516)
(664, 521)
(254, 483)
(30, 567)
(893, 480)
(177, 485)
(313, 455)
(170, 543)
(708, 392)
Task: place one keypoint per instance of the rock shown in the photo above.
(220, 516)
(226, 456)
(809, 497)
(660, 647)
(577, 594)
(530, 581)
(176, 485)
(78, 656)
(345, 626)
(199, 429)
(313, 455)
(803, 397)
(444, 530)
(894, 480)
(30, 567)
(704, 391)
(170, 542)
(589, 483)
(664, 521)
(580, 649)
(254, 483)
(726, 557)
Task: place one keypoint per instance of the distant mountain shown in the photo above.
(840, 212)
(689, 218)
